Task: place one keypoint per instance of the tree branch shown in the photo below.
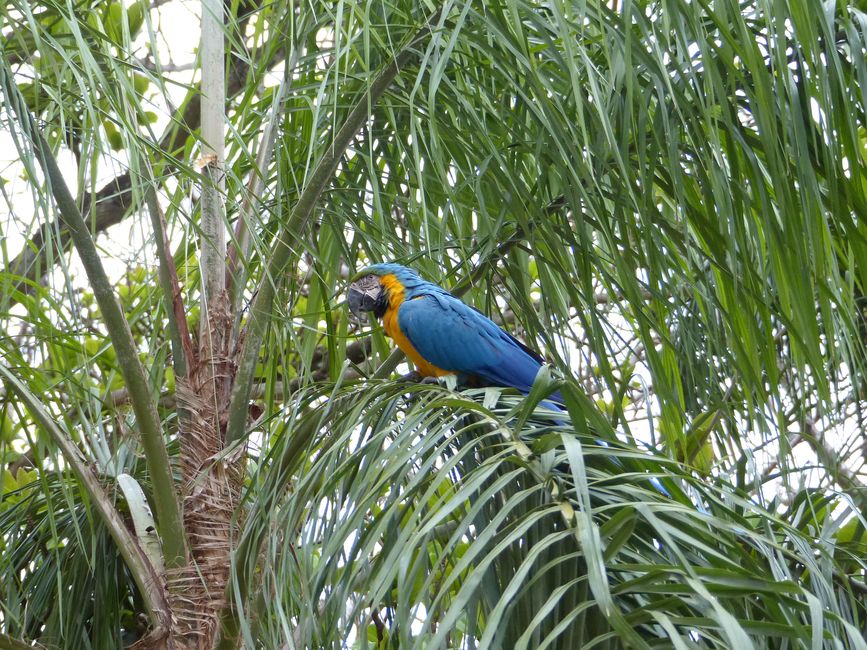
(10, 643)
(182, 347)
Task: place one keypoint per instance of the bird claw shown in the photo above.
(415, 377)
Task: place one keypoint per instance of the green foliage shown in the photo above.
(452, 523)
(80, 57)
(666, 198)
(14, 488)
(122, 23)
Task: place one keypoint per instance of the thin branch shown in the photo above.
(148, 64)
(11, 643)
(179, 333)
(239, 248)
(830, 460)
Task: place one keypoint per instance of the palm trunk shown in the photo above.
(210, 480)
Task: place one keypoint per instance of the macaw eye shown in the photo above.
(368, 283)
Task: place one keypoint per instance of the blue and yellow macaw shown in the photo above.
(439, 333)
(443, 336)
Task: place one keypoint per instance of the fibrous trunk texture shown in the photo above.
(210, 486)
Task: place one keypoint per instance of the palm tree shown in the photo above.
(201, 449)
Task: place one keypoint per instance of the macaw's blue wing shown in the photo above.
(455, 337)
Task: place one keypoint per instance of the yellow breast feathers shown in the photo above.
(392, 328)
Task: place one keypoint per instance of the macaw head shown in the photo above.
(370, 287)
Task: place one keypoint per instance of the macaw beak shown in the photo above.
(358, 301)
(366, 295)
